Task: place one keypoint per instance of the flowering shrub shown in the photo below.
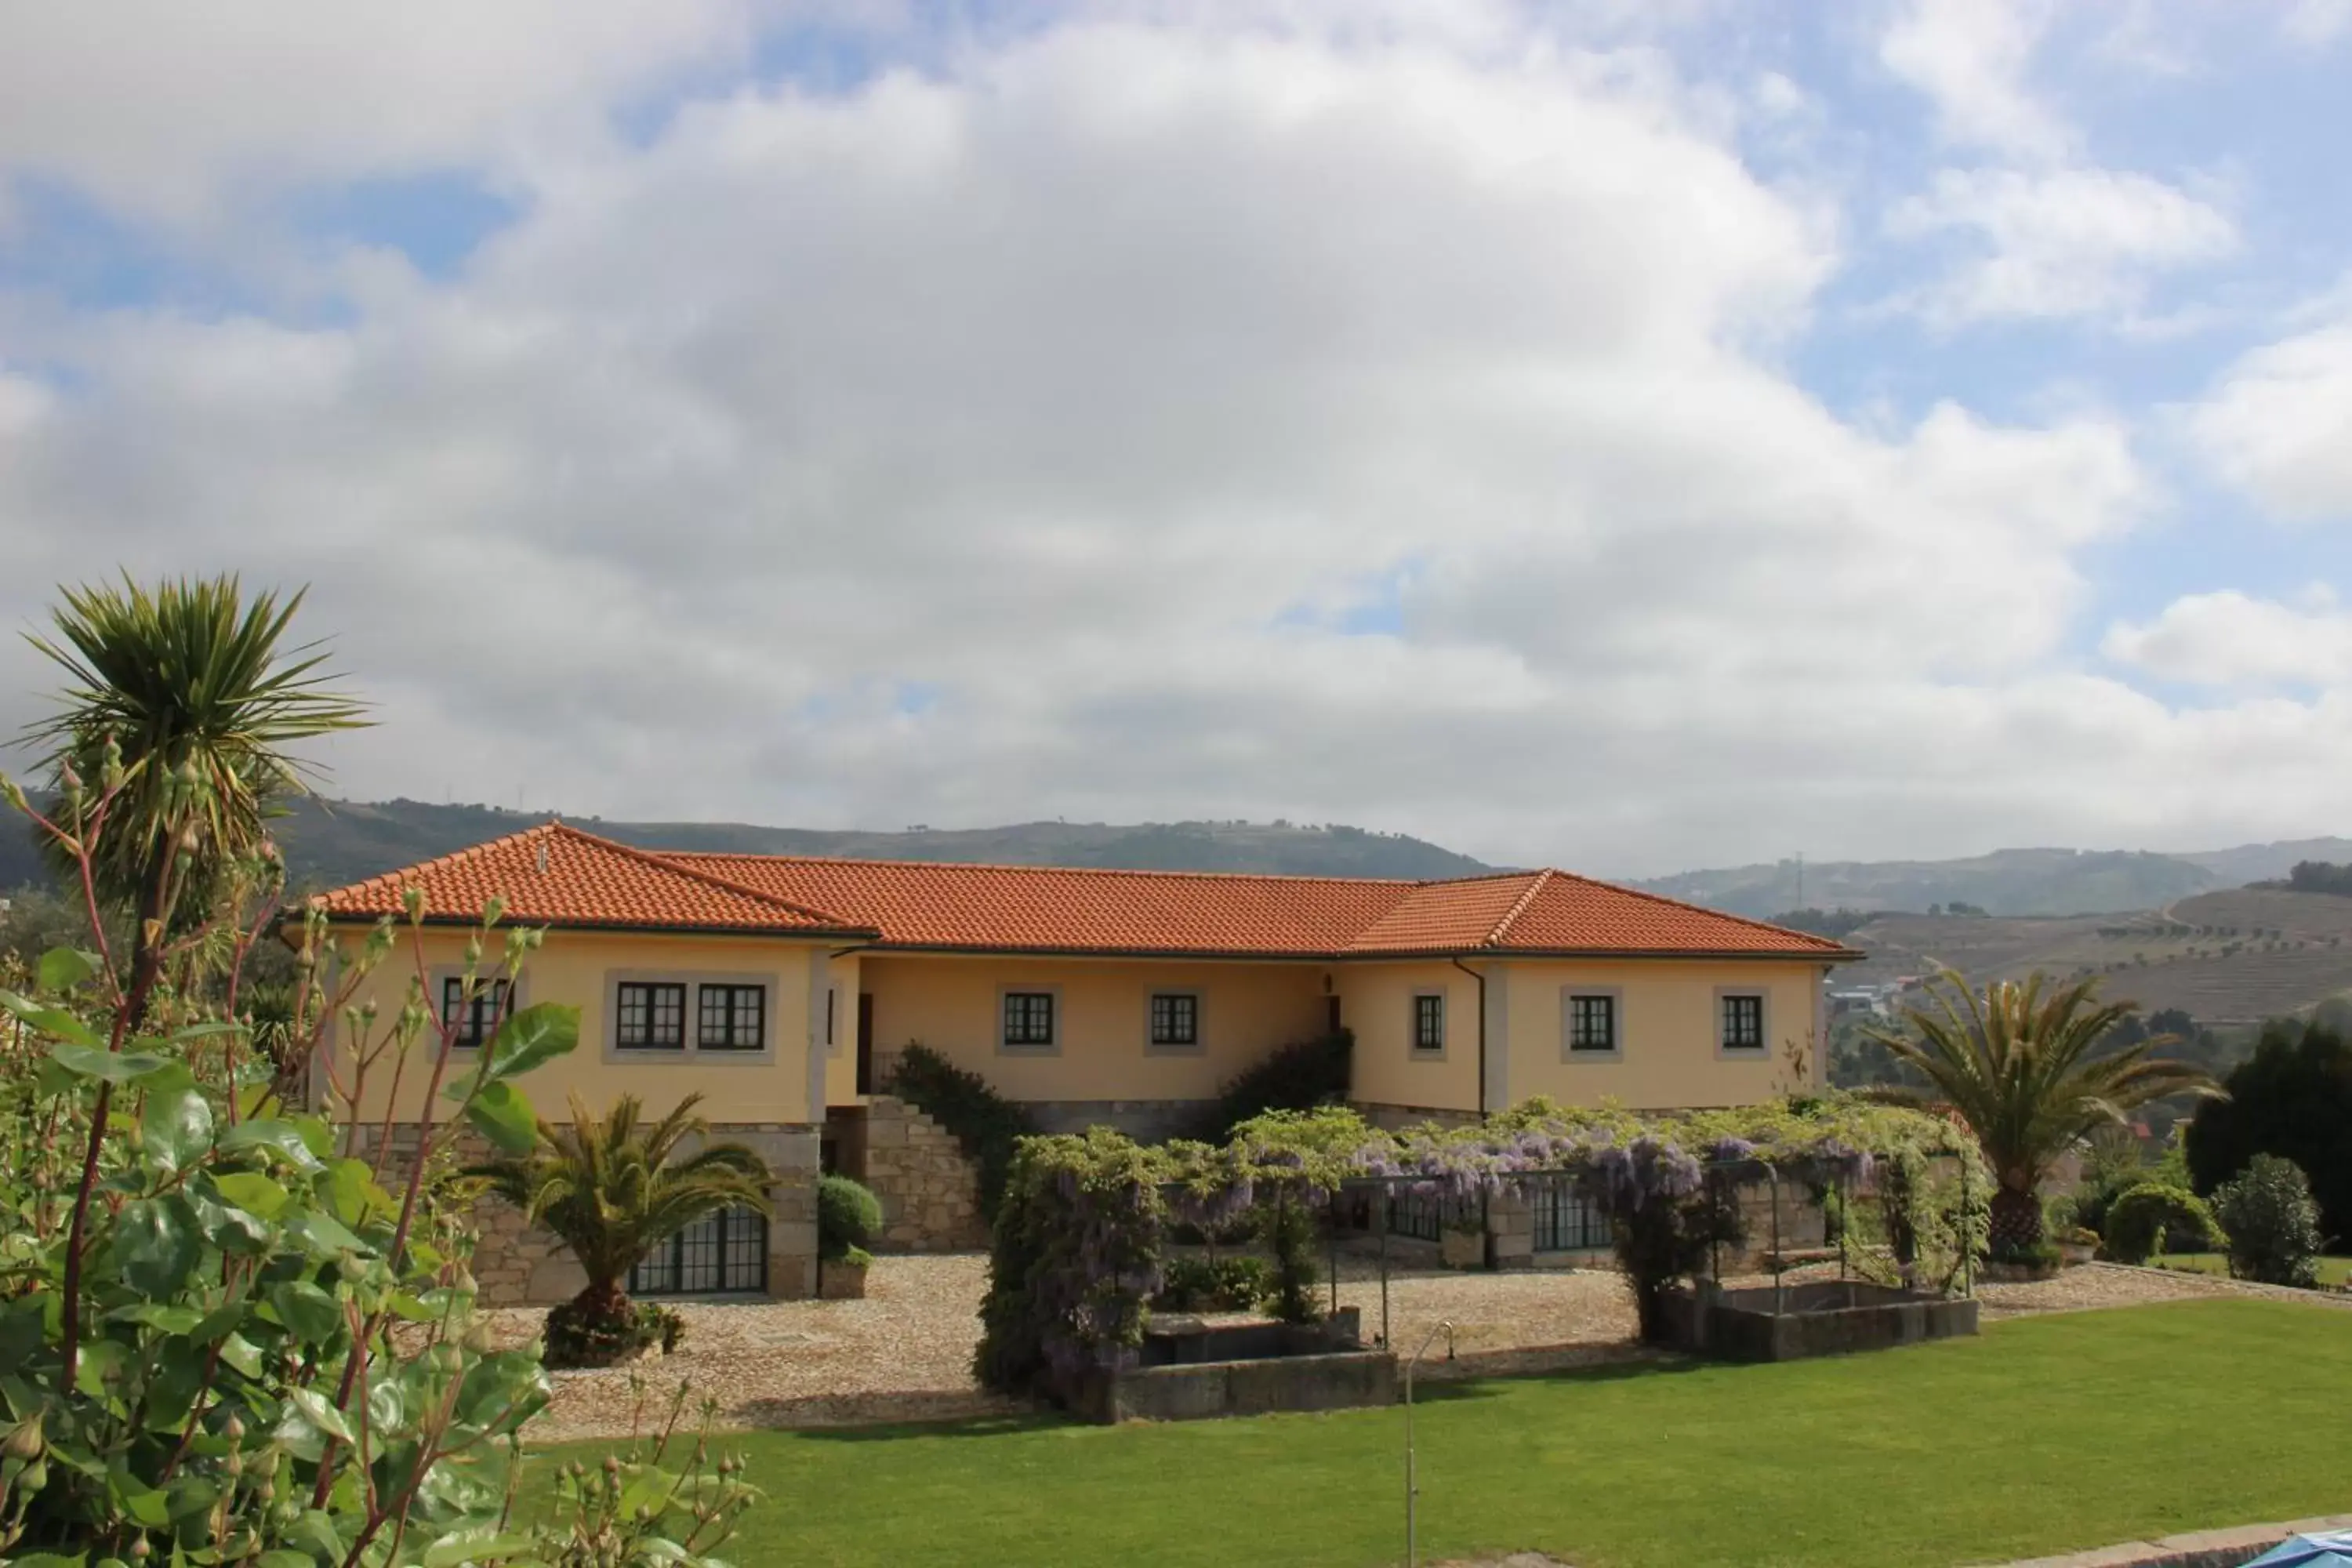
(1078, 1243)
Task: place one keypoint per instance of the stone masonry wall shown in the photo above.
(929, 1186)
(516, 1264)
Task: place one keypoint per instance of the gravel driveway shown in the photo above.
(904, 1353)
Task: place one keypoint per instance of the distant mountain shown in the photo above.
(329, 843)
(2006, 882)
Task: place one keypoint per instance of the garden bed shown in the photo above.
(1811, 1318)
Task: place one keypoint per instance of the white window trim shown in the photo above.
(1568, 1051)
(1762, 1049)
(1200, 1045)
(1413, 1049)
(691, 1049)
(1052, 1048)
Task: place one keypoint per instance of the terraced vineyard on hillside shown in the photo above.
(2225, 957)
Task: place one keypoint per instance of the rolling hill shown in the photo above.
(329, 843)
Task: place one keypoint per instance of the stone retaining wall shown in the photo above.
(516, 1264)
(929, 1187)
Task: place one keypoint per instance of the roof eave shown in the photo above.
(645, 928)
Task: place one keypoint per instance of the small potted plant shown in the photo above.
(848, 1215)
(2077, 1245)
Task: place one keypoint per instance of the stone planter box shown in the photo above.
(1194, 1370)
(2074, 1254)
(840, 1281)
(1462, 1248)
(1828, 1316)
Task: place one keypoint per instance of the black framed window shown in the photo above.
(1175, 1018)
(650, 1016)
(732, 1019)
(1593, 1023)
(472, 1019)
(1029, 1017)
(1429, 1022)
(1743, 1022)
(724, 1252)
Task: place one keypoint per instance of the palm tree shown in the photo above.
(189, 682)
(2024, 1067)
(609, 1188)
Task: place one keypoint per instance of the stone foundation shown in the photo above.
(516, 1264)
(929, 1187)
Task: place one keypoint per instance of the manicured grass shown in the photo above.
(2332, 1270)
(2041, 1434)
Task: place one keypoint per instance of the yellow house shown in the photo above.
(780, 986)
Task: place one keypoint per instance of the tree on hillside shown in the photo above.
(188, 685)
(2292, 1098)
(2029, 1068)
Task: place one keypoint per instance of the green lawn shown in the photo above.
(2332, 1270)
(2041, 1434)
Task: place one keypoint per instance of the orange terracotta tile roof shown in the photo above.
(1064, 910)
(557, 875)
(928, 904)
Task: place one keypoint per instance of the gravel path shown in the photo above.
(904, 1353)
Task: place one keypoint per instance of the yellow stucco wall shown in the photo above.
(1376, 1002)
(1667, 1021)
(578, 968)
(951, 1004)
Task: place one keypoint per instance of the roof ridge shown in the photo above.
(693, 873)
(1826, 942)
(400, 877)
(1404, 882)
(1536, 885)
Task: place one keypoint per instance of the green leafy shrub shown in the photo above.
(2273, 1221)
(1296, 1077)
(203, 1299)
(664, 1502)
(983, 1121)
(1233, 1284)
(2139, 1221)
(848, 1215)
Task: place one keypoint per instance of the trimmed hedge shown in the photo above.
(848, 1216)
(2137, 1221)
(987, 1124)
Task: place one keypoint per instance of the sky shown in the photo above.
(1630, 435)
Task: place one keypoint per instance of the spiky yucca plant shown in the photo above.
(613, 1187)
(189, 681)
(2023, 1066)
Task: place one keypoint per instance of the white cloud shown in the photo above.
(2226, 639)
(2059, 243)
(2278, 424)
(1022, 437)
(167, 111)
(1970, 58)
(2318, 22)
